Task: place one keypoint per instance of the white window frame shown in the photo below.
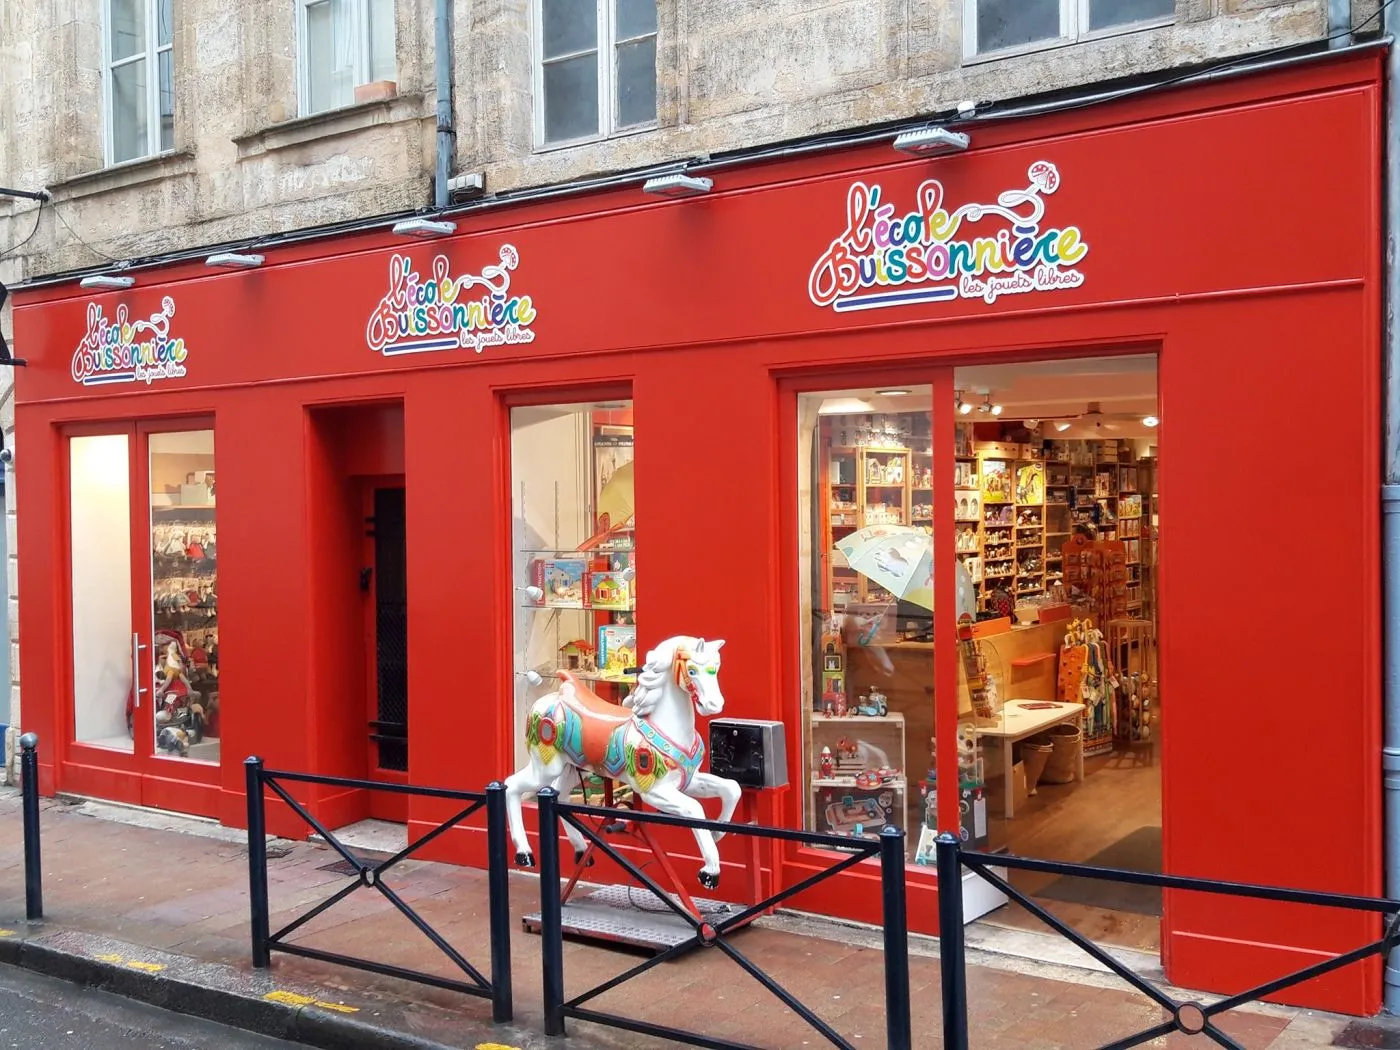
(151, 56)
(607, 79)
(1073, 15)
(363, 47)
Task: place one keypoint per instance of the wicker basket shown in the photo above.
(1035, 752)
(1067, 743)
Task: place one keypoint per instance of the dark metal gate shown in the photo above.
(389, 730)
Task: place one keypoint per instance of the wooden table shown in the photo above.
(1016, 723)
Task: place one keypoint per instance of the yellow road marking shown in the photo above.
(293, 999)
(110, 958)
(7, 933)
(290, 998)
(495, 1046)
(147, 967)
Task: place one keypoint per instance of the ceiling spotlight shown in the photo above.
(234, 261)
(677, 185)
(987, 405)
(931, 142)
(1062, 425)
(891, 393)
(1031, 424)
(1150, 421)
(962, 407)
(424, 228)
(104, 280)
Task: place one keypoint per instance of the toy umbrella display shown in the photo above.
(900, 559)
(616, 505)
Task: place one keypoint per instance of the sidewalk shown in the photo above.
(163, 915)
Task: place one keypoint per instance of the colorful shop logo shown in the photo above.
(884, 259)
(441, 313)
(126, 351)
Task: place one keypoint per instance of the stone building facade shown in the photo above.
(229, 147)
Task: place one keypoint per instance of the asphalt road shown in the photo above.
(39, 1013)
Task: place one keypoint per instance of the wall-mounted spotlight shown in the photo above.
(106, 280)
(234, 261)
(962, 407)
(424, 228)
(677, 185)
(931, 142)
(1150, 421)
(988, 405)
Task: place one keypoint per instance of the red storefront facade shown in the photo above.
(1233, 230)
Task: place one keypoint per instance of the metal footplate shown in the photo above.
(631, 915)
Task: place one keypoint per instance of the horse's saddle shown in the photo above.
(599, 719)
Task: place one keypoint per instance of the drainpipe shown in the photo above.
(1390, 499)
(1339, 23)
(446, 136)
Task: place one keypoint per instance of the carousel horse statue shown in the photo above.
(650, 743)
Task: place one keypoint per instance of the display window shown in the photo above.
(184, 595)
(574, 546)
(865, 494)
(144, 648)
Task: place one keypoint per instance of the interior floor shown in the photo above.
(377, 836)
(1112, 819)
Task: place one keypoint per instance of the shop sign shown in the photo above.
(126, 351)
(442, 312)
(978, 251)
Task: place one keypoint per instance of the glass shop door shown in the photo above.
(143, 590)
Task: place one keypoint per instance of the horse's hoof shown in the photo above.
(525, 860)
(709, 881)
(579, 855)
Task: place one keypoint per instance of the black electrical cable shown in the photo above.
(38, 214)
(101, 255)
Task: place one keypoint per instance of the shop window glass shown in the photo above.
(574, 551)
(865, 476)
(1104, 14)
(99, 493)
(184, 595)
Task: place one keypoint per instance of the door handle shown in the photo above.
(136, 688)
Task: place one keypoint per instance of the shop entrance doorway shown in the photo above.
(143, 712)
(384, 583)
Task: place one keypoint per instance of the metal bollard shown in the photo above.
(952, 960)
(899, 1033)
(29, 788)
(498, 883)
(257, 862)
(551, 914)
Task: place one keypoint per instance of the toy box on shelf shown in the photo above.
(858, 782)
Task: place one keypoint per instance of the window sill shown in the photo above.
(331, 123)
(128, 173)
(625, 133)
(1041, 46)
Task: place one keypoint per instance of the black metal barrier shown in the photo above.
(29, 799)
(493, 800)
(889, 849)
(1188, 1017)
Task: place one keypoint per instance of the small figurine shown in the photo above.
(827, 764)
(840, 707)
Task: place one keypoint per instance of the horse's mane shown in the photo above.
(652, 679)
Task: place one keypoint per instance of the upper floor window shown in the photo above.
(138, 78)
(1015, 25)
(344, 44)
(595, 73)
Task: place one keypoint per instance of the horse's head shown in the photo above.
(696, 670)
(691, 666)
